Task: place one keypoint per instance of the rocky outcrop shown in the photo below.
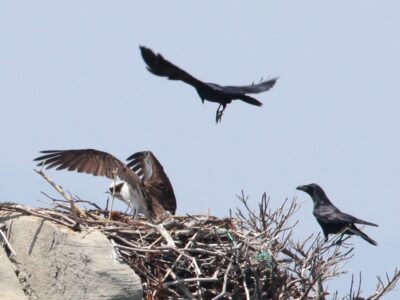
(9, 285)
(54, 262)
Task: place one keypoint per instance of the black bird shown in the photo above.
(331, 219)
(223, 95)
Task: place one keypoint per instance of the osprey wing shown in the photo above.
(156, 181)
(90, 161)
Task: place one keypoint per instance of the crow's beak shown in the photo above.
(301, 188)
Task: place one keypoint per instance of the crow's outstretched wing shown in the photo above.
(250, 89)
(155, 180)
(158, 65)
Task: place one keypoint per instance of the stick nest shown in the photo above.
(249, 255)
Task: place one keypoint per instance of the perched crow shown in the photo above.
(223, 95)
(331, 219)
(142, 183)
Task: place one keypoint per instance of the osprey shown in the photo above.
(223, 95)
(142, 184)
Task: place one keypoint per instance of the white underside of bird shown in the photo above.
(133, 197)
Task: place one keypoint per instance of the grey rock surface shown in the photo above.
(59, 263)
(10, 288)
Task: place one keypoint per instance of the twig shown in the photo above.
(226, 276)
(180, 255)
(246, 289)
(74, 209)
(197, 279)
(166, 235)
(382, 288)
(7, 243)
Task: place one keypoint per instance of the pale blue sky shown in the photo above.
(71, 76)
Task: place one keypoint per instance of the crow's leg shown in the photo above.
(340, 240)
(220, 112)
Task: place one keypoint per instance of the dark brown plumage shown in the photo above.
(147, 166)
(223, 95)
(148, 193)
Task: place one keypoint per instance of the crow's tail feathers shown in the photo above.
(358, 232)
(358, 221)
(250, 100)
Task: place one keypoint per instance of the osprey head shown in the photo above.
(120, 190)
(117, 189)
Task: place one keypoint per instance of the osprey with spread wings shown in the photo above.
(141, 183)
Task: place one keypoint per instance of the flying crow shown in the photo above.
(223, 95)
(330, 218)
(145, 187)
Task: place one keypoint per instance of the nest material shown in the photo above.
(209, 258)
(201, 257)
(249, 256)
